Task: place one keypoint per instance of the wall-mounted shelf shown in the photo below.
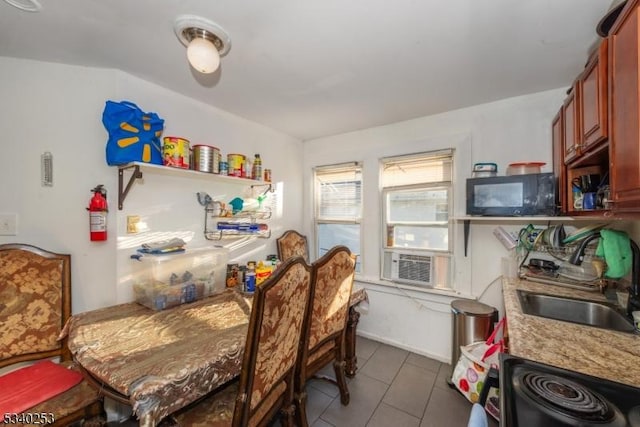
(532, 219)
(221, 234)
(245, 221)
(236, 226)
(264, 213)
(137, 169)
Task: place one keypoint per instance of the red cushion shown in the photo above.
(26, 387)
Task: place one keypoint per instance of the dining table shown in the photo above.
(158, 362)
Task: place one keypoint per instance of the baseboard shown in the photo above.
(393, 343)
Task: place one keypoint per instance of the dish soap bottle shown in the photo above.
(256, 173)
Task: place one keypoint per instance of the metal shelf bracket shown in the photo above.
(122, 192)
(267, 184)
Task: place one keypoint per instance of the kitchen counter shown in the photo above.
(589, 350)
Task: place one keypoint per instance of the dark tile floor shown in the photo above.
(393, 387)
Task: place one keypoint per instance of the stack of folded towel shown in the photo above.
(163, 246)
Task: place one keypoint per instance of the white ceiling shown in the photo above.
(313, 68)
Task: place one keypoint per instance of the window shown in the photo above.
(338, 207)
(416, 197)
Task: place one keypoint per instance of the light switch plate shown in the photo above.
(8, 224)
(133, 222)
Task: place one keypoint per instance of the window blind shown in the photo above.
(423, 168)
(339, 192)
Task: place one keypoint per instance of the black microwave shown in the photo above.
(514, 195)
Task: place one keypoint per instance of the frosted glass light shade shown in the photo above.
(203, 55)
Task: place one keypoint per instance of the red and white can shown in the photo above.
(236, 164)
(175, 152)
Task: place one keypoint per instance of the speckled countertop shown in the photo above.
(593, 351)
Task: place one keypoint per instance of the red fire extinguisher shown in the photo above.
(98, 214)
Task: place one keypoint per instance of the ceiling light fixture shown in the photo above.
(206, 42)
(26, 5)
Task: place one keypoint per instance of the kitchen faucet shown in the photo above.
(634, 291)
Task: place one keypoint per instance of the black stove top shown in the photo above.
(535, 394)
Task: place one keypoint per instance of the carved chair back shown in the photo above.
(278, 321)
(292, 244)
(333, 276)
(35, 304)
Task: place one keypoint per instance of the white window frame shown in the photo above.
(442, 259)
(334, 171)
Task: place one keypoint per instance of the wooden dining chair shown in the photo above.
(35, 304)
(292, 244)
(265, 388)
(333, 275)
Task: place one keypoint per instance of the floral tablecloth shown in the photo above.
(162, 360)
(358, 295)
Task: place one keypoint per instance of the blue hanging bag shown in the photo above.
(134, 136)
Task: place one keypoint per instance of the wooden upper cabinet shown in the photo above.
(624, 113)
(594, 127)
(571, 117)
(585, 110)
(557, 137)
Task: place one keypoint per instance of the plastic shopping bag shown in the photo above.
(134, 136)
(475, 361)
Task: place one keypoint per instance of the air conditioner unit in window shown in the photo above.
(411, 268)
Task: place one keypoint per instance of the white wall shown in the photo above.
(167, 204)
(511, 130)
(58, 108)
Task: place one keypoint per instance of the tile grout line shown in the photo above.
(388, 387)
(360, 368)
(433, 386)
(430, 391)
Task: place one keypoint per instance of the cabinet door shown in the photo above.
(571, 126)
(624, 113)
(593, 99)
(559, 170)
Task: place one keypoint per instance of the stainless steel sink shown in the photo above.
(591, 313)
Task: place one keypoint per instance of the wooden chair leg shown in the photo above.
(341, 380)
(287, 416)
(96, 421)
(350, 342)
(301, 409)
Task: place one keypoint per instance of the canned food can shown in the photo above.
(175, 152)
(224, 168)
(216, 160)
(267, 175)
(250, 281)
(248, 167)
(205, 158)
(236, 164)
(242, 271)
(233, 272)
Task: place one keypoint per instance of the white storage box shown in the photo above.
(163, 281)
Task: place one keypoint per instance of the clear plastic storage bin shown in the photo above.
(163, 281)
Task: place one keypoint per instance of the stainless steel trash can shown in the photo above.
(471, 321)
